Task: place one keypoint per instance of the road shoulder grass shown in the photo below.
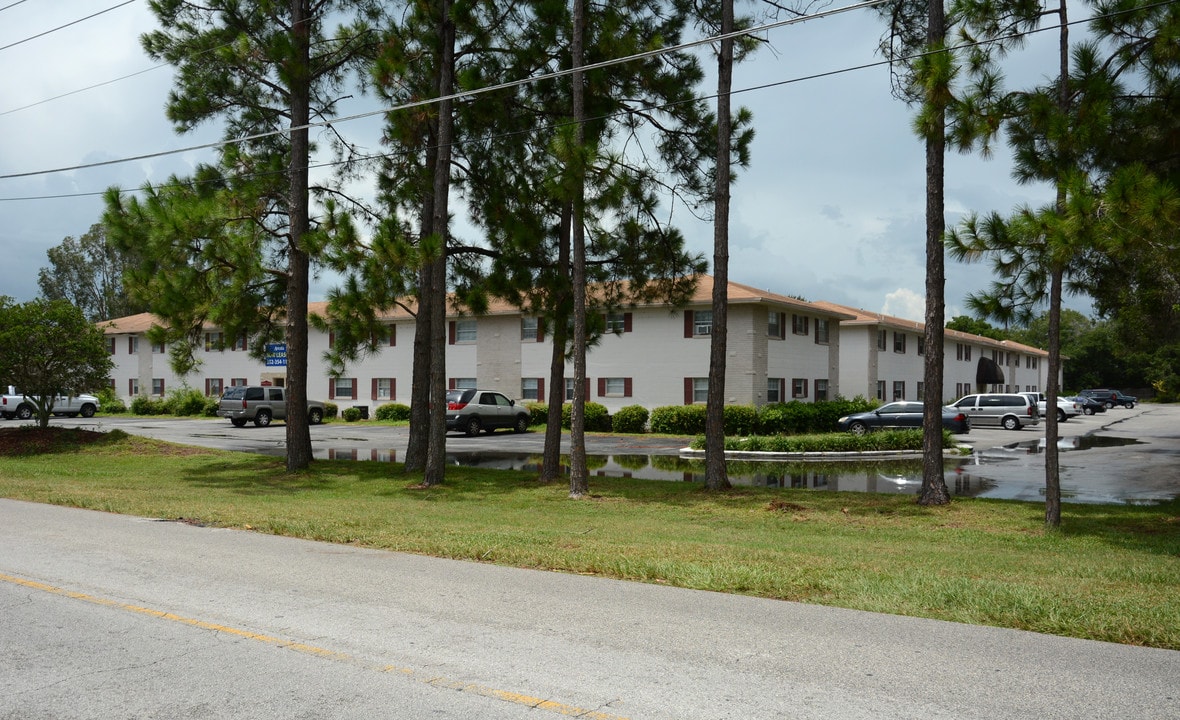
(1111, 573)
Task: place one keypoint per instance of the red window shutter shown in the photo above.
(331, 389)
(392, 389)
(374, 389)
(451, 333)
(354, 388)
(626, 322)
(688, 323)
(688, 391)
(540, 389)
(451, 384)
(587, 387)
(782, 326)
(130, 386)
(601, 387)
(130, 345)
(782, 389)
(392, 335)
(206, 387)
(331, 339)
(541, 332)
(161, 387)
(626, 387)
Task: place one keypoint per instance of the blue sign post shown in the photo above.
(276, 355)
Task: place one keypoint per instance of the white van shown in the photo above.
(1010, 411)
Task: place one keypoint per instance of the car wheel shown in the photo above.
(1011, 423)
(24, 412)
(858, 428)
(88, 410)
(1109, 405)
(315, 416)
(238, 422)
(473, 426)
(1088, 410)
(262, 419)
(1061, 417)
(522, 424)
(1129, 405)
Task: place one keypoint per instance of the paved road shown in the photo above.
(108, 616)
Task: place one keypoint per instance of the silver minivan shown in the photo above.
(1007, 410)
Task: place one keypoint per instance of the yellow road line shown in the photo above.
(433, 680)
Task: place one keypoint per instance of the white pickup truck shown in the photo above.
(1066, 407)
(15, 404)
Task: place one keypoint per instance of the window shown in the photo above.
(821, 331)
(614, 387)
(212, 341)
(569, 389)
(963, 352)
(921, 388)
(618, 323)
(882, 336)
(237, 382)
(700, 390)
(158, 386)
(132, 386)
(821, 389)
(462, 383)
(799, 387)
(881, 390)
(921, 345)
(702, 322)
(383, 388)
(774, 390)
(800, 324)
(342, 388)
(111, 345)
(774, 325)
(530, 389)
(899, 389)
(465, 331)
(528, 328)
(240, 343)
(133, 345)
(899, 342)
(214, 387)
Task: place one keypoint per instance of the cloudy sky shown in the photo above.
(831, 208)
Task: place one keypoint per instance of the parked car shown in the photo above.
(1066, 407)
(472, 411)
(245, 403)
(1089, 405)
(15, 404)
(1111, 398)
(1010, 411)
(896, 415)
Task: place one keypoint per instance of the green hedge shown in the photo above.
(352, 414)
(392, 411)
(630, 419)
(830, 442)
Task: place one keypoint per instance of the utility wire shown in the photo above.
(81, 90)
(62, 27)
(12, 5)
(454, 96)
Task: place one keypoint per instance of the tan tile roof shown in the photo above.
(130, 325)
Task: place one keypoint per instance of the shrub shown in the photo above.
(630, 419)
(212, 405)
(352, 414)
(392, 411)
(798, 418)
(678, 419)
(831, 442)
(740, 419)
(331, 410)
(110, 403)
(597, 417)
(144, 405)
(185, 402)
(538, 413)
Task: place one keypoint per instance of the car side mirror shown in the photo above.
(511, 402)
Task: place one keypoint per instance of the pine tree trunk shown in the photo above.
(298, 267)
(716, 475)
(934, 490)
(559, 336)
(579, 472)
(1052, 459)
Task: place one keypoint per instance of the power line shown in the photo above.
(82, 90)
(62, 27)
(12, 5)
(456, 96)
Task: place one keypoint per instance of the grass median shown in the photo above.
(1112, 573)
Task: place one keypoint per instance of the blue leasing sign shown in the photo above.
(276, 355)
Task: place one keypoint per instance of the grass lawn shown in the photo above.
(1111, 573)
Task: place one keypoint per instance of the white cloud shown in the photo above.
(905, 303)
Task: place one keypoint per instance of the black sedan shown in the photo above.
(896, 415)
(1090, 405)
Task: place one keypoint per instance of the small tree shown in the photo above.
(52, 350)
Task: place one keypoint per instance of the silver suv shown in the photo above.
(244, 403)
(1010, 411)
(472, 411)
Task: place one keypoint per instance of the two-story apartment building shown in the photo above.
(780, 348)
(882, 357)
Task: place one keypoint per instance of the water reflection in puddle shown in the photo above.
(1084, 442)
